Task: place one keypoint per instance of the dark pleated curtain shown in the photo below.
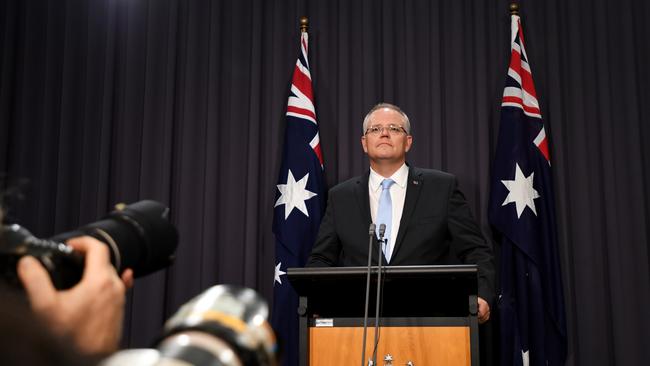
(105, 101)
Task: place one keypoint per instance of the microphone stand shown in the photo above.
(371, 236)
(382, 230)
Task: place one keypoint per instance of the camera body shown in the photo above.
(63, 264)
(138, 235)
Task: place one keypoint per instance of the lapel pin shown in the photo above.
(416, 182)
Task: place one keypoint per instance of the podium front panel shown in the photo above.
(432, 345)
(427, 315)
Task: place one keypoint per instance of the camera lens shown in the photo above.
(233, 314)
(225, 325)
(139, 236)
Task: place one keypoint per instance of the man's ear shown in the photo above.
(364, 143)
(409, 142)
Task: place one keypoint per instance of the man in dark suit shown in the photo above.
(423, 210)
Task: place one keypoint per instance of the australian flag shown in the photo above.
(522, 212)
(300, 202)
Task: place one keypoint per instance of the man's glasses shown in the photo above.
(392, 129)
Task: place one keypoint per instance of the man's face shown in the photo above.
(386, 146)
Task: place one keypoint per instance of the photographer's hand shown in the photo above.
(92, 311)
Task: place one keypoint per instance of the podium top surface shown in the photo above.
(465, 270)
(408, 290)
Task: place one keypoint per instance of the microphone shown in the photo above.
(382, 231)
(371, 236)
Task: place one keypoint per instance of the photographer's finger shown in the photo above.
(37, 282)
(96, 253)
(127, 278)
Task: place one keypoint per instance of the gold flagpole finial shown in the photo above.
(304, 24)
(514, 9)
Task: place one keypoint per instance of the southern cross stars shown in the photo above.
(293, 195)
(522, 192)
(278, 273)
(525, 359)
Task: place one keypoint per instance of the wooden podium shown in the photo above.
(428, 315)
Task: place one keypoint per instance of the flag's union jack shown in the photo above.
(522, 212)
(301, 100)
(300, 201)
(520, 89)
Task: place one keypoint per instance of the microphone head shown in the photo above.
(382, 230)
(372, 228)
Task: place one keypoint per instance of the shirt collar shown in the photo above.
(400, 177)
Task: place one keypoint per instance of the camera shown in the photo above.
(225, 325)
(139, 236)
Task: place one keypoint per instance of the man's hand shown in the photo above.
(92, 311)
(483, 311)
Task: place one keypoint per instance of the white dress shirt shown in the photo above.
(397, 195)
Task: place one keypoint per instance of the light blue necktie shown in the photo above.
(385, 215)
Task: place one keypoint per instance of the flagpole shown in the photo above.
(514, 9)
(304, 24)
(295, 228)
(532, 311)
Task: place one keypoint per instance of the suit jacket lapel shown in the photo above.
(413, 188)
(361, 194)
(363, 199)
